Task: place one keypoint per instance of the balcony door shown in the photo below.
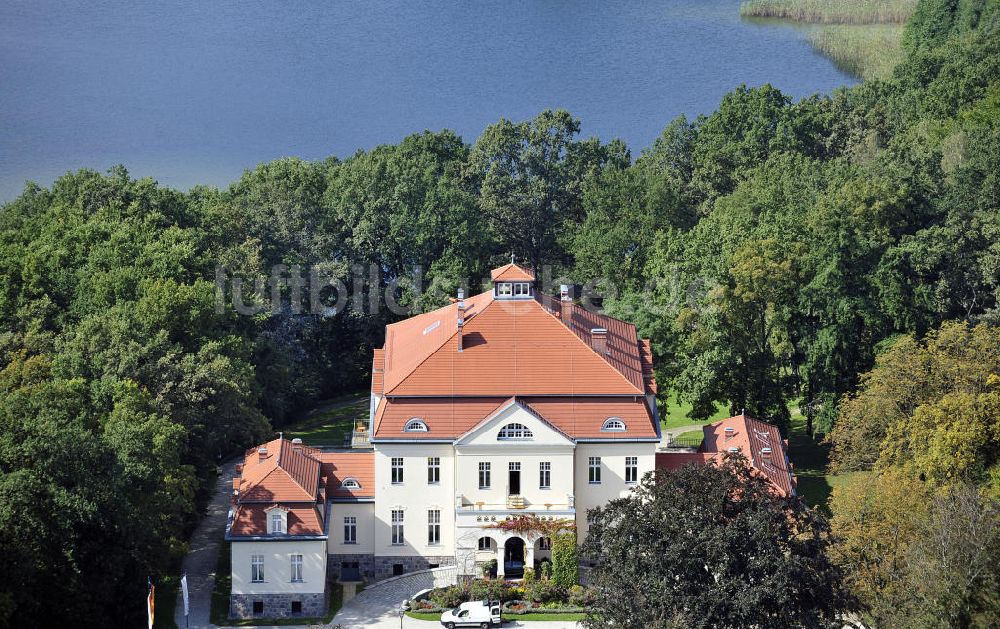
(514, 479)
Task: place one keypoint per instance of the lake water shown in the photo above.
(195, 92)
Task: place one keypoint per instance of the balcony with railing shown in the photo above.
(360, 437)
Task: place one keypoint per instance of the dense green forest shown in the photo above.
(772, 250)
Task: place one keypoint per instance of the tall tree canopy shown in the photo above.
(711, 546)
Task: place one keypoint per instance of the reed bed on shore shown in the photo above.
(832, 11)
(869, 52)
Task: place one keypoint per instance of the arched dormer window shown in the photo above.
(613, 424)
(515, 431)
(350, 483)
(415, 424)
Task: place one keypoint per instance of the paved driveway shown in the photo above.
(377, 607)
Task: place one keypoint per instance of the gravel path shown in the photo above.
(200, 562)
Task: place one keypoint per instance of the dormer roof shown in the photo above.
(512, 273)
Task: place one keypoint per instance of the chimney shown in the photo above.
(599, 340)
(297, 444)
(461, 316)
(262, 453)
(730, 431)
(565, 304)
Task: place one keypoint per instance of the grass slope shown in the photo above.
(810, 458)
(328, 427)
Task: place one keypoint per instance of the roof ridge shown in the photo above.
(277, 464)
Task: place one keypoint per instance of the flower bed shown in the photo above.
(531, 596)
(516, 608)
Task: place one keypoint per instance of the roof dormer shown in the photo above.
(277, 520)
(513, 281)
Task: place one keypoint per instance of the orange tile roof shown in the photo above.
(509, 347)
(579, 417)
(677, 460)
(287, 473)
(338, 466)
(750, 436)
(251, 520)
(512, 273)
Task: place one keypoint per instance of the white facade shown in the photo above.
(276, 560)
(489, 474)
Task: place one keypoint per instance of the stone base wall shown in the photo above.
(384, 564)
(277, 605)
(366, 565)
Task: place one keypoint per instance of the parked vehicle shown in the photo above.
(483, 614)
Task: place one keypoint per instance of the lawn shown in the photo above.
(810, 459)
(327, 426)
(219, 613)
(675, 415)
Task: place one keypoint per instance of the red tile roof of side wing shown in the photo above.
(512, 273)
(339, 466)
(677, 460)
(288, 473)
(516, 347)
(577, 417)
(251, 520)
(752, 436)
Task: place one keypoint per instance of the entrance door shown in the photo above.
(514, 479)
(513, 558)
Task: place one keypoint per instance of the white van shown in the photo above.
(482, 614)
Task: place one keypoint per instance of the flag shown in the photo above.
(150, 598)
(184, 593)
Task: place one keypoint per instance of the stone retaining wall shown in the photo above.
(277, 605)
(384, 564)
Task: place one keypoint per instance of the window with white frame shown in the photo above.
(515, 431)
(485, 543)
(594, 470)
(504, 289)
(484, 475)
(545, 543)
(522, 289)
(544, 475)
(277, 522)
(350, 483)
(433, 470)
(397, 470)
(296, 568)
(631, 469)
(397, 527)
(613, 424)
(257, 568)
(350, 529)
(415, 424)
(433, 527)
